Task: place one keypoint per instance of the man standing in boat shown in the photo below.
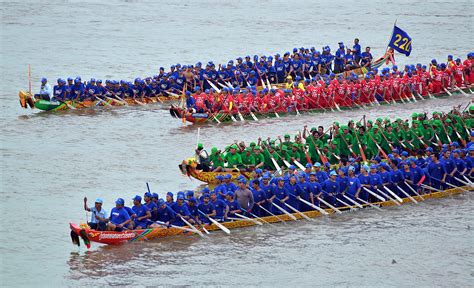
(244, 196)
(99, 215)
(356, 50)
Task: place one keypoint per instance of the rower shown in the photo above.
(45, 90)
(229, 185)
(207, 208)
(119, 217)
(182, 210)
(202, 158)
(169, 199)
(279, 195)
(356, 50)
(331, 188)
(99, 215)
(354, 186)
(343, 182)
(220, 206)
(364, 180)
(437, 172)
(142, 221)
(244, 196)
(234, 206)
(305, 192)
(165, 213)
(150, 204)
(366, 58)
(260, 198)
(375, 182)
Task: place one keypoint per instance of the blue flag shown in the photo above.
(400, 41)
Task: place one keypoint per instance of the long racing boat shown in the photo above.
(114, 238)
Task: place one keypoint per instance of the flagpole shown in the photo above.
(390, 38)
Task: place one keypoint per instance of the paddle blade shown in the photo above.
(75, 238)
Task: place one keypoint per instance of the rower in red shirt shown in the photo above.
(458, 71)
(469, 69)
(366, 90)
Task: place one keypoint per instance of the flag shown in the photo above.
(400, 41)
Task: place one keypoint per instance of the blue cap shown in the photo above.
(99, 200)
(373, 166)
(191, 193)
(120, 201)
(180, 197)
(404, 153)
(193, 200)
(332, 173)
(170, 194)
(312, 173)
(219, 177)
(242, 181)
(228, 176)
(351, 168)
(161, 201)
(365, 167)
(43, 80)
(230, 193)
(148, 194)
(317, 164)
(137, 198)
(472, 133)
(429, 149)
(308, 165)
(455, 144)
(258, 171)
(154, 195)
(292, 167)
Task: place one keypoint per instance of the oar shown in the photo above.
(373, 194)
(297, 211)
(345, 204)
(449, 93)
(454, 186)
(329, 205)
(319, 209)
(370, 204)
(247, 218)
(414, 191)
(393, 194)
(352, 201)
(388, 197)
(215, 222)
(299, 164)
(468, 180)
(192, 227)
(407, 195)
(463, 182)
(431, 188)
(259, 218)
(284, 211)
(462, 91)
(263, 208)
(174, 226)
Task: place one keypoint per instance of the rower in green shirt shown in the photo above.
(232, 158)
(217, 160)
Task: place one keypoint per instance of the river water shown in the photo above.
(51, 161)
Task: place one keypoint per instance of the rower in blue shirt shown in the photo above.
(151, 205)
(339, 59)
(207, 208)
(354, 186)
(331, 188)
(366, 58)
(119, 217)
(375, 182)
(279, 196)
(356, 50)
(437, 172)
(142, 220)
(181, 210)
(293, 193)
(343, 182)
(234, 206)
(304, 191)
(364, 180)
(165, 213)
(267, 188)
(461, 168)
(77, 90)
(229, 185)
(190, 102)
(259, 197)
(60, 91)
(320, 175)
(220, 207)
(316, 189)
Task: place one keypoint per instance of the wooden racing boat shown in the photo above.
(190, 170)
(218, 117)
(26, 99)
(115, 238)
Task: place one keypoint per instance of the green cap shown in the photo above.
(287, 136)
(313, 129)
(214, 150)
(379, 119)
(234, 146)
(252, 144)
(200, 146)
(414, 115)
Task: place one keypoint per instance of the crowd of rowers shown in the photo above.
(319, 69)
(268, 192)
(364, 139)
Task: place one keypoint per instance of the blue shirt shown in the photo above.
(331, 187)
(119, 215)
(165, 214)
(102, 214)
(219, 206)
(354, 185)
(356, 48)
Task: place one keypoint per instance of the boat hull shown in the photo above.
(210, 177)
